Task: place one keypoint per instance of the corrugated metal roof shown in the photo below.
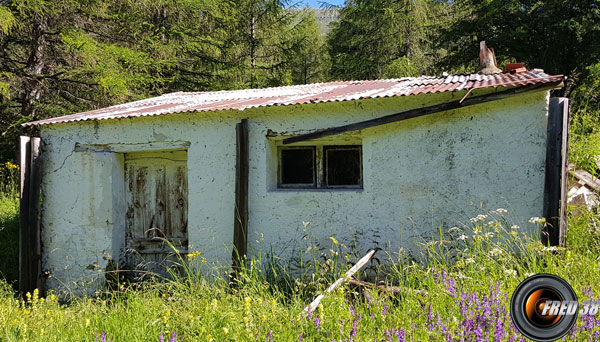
(301, 94)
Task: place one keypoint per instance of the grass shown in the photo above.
(457, 288)
(9, 224)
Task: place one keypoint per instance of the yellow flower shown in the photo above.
(191, 255)
(214, 303)
(225, 330)
(334, 241)
(42, 332)
(11, 165)
(247, 300)
(203, 260)
(87, 322)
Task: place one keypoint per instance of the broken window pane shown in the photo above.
(343, 166)
(297, 166)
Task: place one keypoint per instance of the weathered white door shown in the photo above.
(157, 205)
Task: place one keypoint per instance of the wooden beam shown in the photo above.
(34, 214)
(24, 246)
(141, 147)
(564, 173)
(414, 113)
(556, 172)
(240, 224)
(30, 259)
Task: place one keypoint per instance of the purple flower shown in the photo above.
(269, 337)
(400, 335)
(103, 337)
(173, 337)
(161, 338)
(385, 308)
(354, 326)
(318, 324)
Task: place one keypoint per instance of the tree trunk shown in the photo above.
(35, 67)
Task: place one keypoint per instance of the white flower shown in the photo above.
(489, 235)
(477, 218)
(501, 211)
(469, 260)
(495, 252)
(463, 237)
(511, 272)
(515, 226)
(540, 220)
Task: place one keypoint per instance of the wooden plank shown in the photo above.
(414, 113)
(587, 179)
(360, 264)
(564, 172)
(240, 224)
(556, 171)
(24, 193)
(142, 147)
(34, 214)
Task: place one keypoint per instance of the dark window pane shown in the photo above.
(343, 166)
(298, 166)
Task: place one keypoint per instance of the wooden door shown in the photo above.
(157, 205)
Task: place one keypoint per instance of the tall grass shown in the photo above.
(9, 223)
(458, 288)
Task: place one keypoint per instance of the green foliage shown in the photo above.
(372, 34)
(9, 223)
(556, 35)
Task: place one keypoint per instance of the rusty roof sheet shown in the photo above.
(301, 94)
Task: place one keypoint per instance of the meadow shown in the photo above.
(456, 288)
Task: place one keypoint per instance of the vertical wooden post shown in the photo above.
(565, 104)
(555, 187)
(240, 225)
(24, 255)
(30, 275)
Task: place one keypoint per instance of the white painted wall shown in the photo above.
(419, 175)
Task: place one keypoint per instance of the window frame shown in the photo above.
(326, 168)
(319, 168)
(280, 183)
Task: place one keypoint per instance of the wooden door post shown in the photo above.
(555, 187)
(30, 260)
(240, 224)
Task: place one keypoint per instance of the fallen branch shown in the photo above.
(362, 262)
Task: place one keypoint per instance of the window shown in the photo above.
(297, 167)
(320, 167)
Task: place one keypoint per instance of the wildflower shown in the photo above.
(42, 332)
(191, 255)
(203, 260)
(515, 226)
(11, 165)
(478, 218)
(511, 272)
(340, 291)
(469, 260)
(489, 235)
(225, 330)
(463, 237)
(495, 252)
(333, 240)
(539, 220)
(247, 300)
(87, 322)
(214, 303)
(501, 211)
